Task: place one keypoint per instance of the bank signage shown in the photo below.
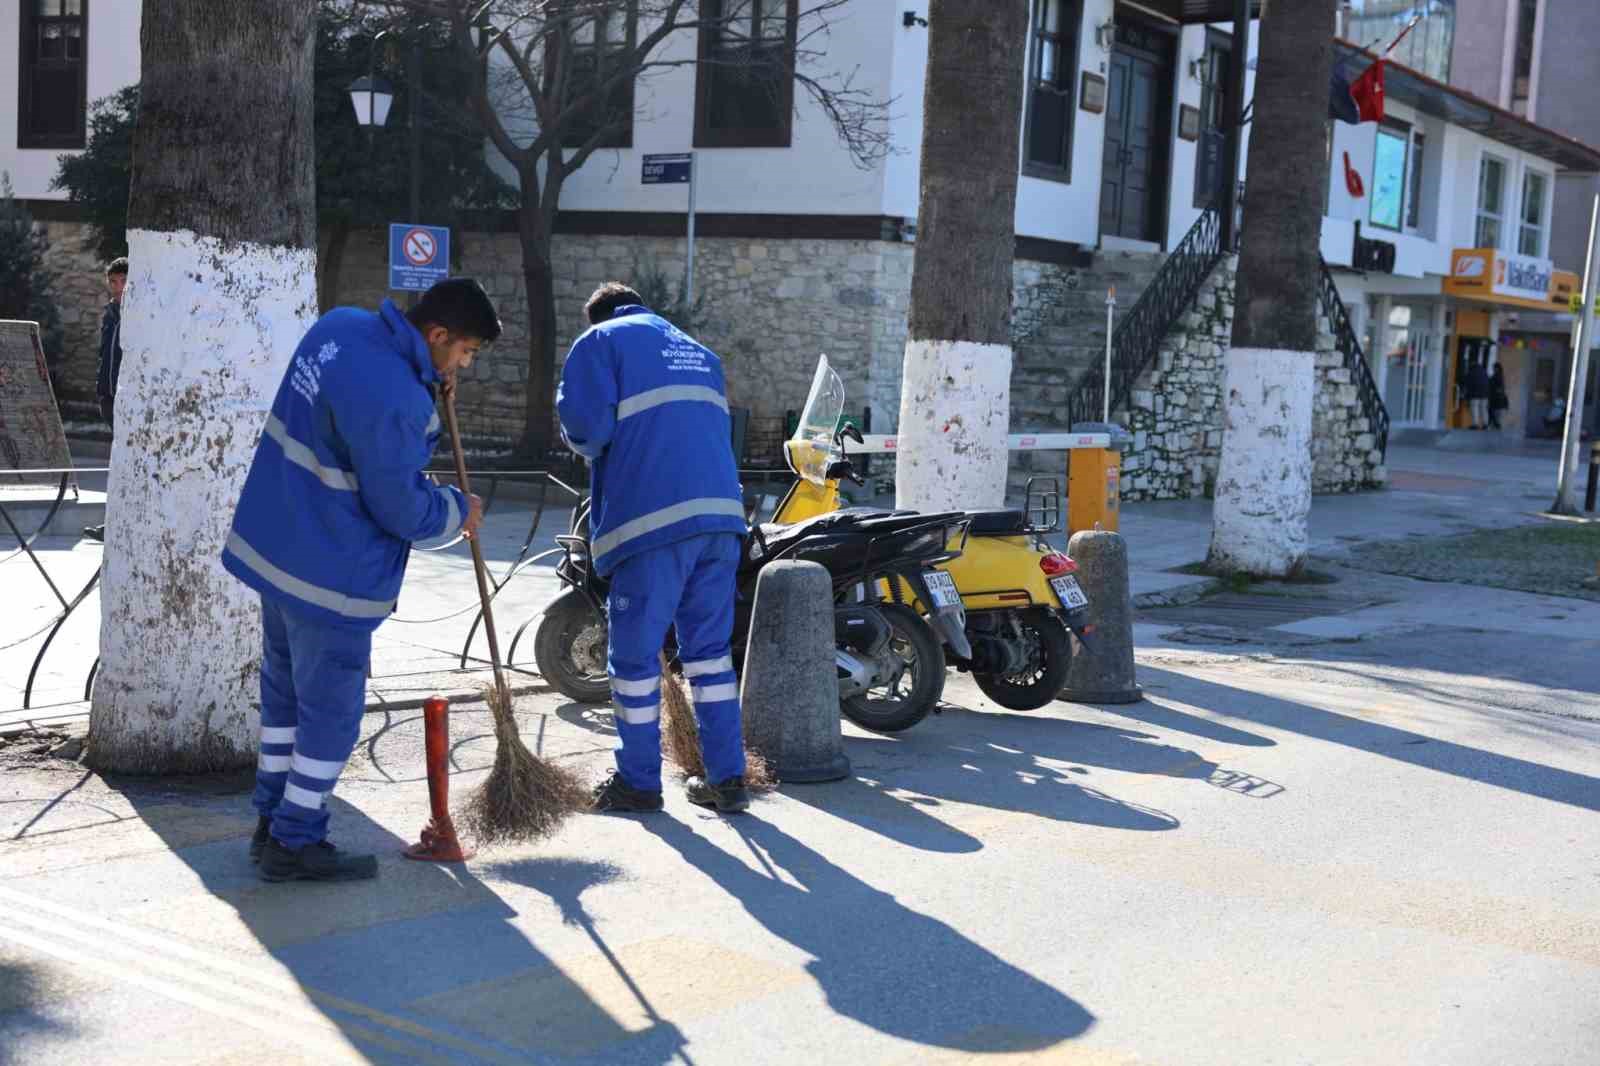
(1500, 277)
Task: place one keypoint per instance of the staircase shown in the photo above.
(1147, 328)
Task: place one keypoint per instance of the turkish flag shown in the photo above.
(1367, 90)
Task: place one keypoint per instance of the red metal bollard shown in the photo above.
(438, 843)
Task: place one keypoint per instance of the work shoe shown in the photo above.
(314, 862)
(729, 797)
(97, 533)
(258, 841)
(616, 796)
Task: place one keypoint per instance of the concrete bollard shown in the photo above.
(790, 690)
(1103, 671)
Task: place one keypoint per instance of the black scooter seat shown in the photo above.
(997, 523)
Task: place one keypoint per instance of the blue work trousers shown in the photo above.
(313, 691)
(688, 584)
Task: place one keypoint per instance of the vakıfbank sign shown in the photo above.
(1500, 277)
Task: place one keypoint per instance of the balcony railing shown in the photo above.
(1344, 336)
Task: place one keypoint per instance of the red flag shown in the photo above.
(1368, 93)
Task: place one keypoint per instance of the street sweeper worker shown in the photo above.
(646, 405)
(335, 496)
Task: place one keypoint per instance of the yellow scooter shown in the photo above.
(1021, 596)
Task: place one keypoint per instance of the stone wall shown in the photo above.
(767, 307)
(1176, 413)
(80, 293)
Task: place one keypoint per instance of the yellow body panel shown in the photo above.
(987, 569)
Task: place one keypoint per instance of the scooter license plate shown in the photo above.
(1068, 592)
(942, 587)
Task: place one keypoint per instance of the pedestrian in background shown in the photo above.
(1498, 401)
(105, 378)
(1478, 394)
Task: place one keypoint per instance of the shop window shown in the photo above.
(1389, 175)
(53, 74)
(744, 85)
(1052, 73)
(1491, 202)
(1530, 232)
(596, 48)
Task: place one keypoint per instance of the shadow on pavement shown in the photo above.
(24, 1003)
(423, 964)
(1001, 761)
(876, 960)
(1402, 745)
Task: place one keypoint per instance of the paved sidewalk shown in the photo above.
(418, 652)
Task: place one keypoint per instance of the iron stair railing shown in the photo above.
(1349, 345)
(1138, 337)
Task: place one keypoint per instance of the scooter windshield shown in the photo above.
(812, 445)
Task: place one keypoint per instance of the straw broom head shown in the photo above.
(680, 737)
(524, 797)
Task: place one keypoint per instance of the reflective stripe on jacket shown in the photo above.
(648, 407)
(336, 492)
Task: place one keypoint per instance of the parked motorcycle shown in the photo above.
(1021, 596)
(889, 658)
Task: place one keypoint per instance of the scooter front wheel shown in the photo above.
(570, 650)
(917, 685)
(1047, 654)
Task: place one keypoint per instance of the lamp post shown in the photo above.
(371, 96)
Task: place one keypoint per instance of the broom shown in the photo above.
(524, 797)
(681, 738)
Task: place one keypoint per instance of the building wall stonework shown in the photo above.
(1176, 413)
(80, 295)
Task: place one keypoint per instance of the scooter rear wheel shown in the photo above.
(570, 650)
(1041, 677)
(908, 700)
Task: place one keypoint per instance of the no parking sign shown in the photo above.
(419, 255)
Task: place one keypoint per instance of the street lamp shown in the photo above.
(372, 97)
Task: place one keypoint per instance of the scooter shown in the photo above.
(1022, 597)
(889, 659)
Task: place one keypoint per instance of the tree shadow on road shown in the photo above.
(876, 960)
(1376, 738)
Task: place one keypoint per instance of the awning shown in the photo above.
(1189, 12)
(1406, 86)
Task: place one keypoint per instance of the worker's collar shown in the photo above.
(409, 341)
(630, 309)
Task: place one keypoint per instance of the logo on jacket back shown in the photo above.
(682, 353)
(307, 375)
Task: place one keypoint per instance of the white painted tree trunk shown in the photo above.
(207, 330)
(955, 413)
(1263, 503)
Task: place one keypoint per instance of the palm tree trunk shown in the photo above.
(1263, 496)
(955, 398)
(221, 240)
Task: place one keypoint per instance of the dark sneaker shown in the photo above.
(614, 795)
(95, 533)
(314, 862)
(258, 842)
(729, 797)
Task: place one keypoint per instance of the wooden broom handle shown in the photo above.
(478, 567)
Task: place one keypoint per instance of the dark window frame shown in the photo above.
(1417, 157)
(1068, 61)
(577, 135)
(1218, 43)
(26, 35)
(779, 136)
